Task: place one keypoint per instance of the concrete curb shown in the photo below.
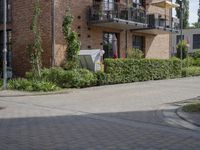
(185, 117)
(12, 93)
(172, 114)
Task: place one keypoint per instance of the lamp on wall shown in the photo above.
(5, 46)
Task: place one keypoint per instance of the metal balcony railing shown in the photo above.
(156, 20)
(106, 11)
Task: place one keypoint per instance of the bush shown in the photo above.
(31, 85)
(103, 78)
(1, 83)
(189, 61)
(196, 62)
(77, 78)
(196, 54)
(183, 45)
(191, 71)
(130, 70)
(135, 53)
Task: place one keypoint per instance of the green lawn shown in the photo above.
(192, 107)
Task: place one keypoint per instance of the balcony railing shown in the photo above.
(103, 11)
(158, 21)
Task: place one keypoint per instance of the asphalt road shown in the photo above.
(117, 117)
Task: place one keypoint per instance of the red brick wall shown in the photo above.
(22, 13)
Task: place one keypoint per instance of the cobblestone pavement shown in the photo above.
(120, 117)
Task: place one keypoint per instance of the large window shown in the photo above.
(196, 41)
(138, 42)
(9, 47)
(2, 10)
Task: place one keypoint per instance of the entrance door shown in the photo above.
(110, 45)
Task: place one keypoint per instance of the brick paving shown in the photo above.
(120, 117)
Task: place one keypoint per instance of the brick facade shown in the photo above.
(91, 37)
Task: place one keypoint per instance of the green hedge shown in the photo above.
(191, 71)
(77, 78)
(130, 70)
(1, 83)
(196, 62)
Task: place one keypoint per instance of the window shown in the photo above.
(178, 38)
(9, 46)
(196, 41)
(8, 10)
(110, 45)
(138, 42)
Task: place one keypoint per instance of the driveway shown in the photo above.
(117, 117)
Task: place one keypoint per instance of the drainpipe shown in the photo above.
(5, 46)
(53, 41)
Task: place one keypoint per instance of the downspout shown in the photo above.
(126, 38)
(53, 41)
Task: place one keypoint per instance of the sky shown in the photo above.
(194, 5)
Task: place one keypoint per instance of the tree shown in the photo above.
(185, 12)
(197, 24)
(73, 44)
(35, 49)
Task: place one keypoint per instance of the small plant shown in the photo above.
(73, 44)
(135, 54)
(35, 50)
(182, 46)
(32, 85)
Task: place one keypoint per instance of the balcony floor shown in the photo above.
(117, 23)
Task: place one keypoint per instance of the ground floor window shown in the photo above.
(9, 47)
(178, 38)
(196, 41)
(138, 42)
(110, 45)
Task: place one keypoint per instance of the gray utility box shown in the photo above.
(91, 59)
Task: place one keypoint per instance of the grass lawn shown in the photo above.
(192, 107)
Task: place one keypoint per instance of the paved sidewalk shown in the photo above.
(119, 117)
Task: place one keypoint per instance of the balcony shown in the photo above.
(158, 24)
(117, 16)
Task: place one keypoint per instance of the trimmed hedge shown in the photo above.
(77, 78)
(196, 62)
(191, 71)
(1, 83)
(131, 70)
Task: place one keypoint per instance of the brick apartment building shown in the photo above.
(143, 24)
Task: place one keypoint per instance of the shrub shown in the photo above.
(135, 53)
(31, 85)
(196, 54)
(191, 71)
(182, 45)
(130, 70)
(103, 78)
(76, 78)
(187, 62)
(196, 62)
(1, 83)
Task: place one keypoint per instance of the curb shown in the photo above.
(24, 94)
(171, 114)
(182, 115)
